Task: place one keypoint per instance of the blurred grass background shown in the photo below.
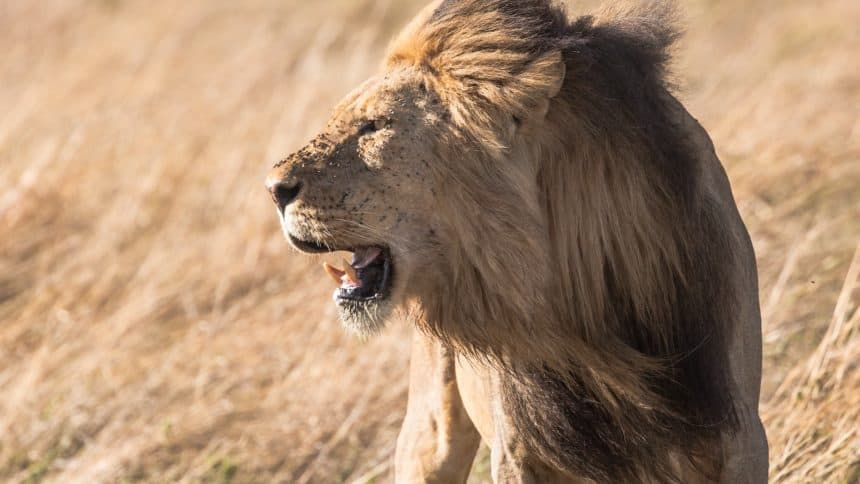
(154, 326)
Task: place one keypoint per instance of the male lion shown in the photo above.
(562, 235)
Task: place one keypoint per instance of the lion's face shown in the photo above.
(367, 184)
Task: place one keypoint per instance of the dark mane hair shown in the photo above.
(619, 365)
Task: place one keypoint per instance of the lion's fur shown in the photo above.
(600, 289)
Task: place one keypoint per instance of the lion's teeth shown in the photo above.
(333, 272)
(351, 277)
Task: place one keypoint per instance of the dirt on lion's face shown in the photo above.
(364, 185)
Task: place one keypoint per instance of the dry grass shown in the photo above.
(156, 327)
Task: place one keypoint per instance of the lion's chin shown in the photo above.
(363, 318)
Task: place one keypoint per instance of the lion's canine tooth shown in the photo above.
(333, 272)
(351, 276)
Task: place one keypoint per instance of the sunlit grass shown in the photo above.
(154, 326)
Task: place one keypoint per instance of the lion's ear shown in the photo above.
(531, 92)
(553, 73)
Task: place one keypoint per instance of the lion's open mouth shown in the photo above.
(366, 278)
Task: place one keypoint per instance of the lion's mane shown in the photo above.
(590, 266)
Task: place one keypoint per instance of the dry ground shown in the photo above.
(154, 325)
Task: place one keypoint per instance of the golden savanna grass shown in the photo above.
(155, 326)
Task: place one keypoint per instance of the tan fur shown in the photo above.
(438, 436)
(561, 227)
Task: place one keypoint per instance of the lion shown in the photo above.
(526, 191)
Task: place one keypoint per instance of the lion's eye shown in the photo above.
(371, 126)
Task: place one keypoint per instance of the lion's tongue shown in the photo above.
(364, 257)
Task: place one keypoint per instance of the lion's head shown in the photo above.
(471, 178)
(497, 180)
(425, 173)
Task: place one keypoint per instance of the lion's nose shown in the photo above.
(284, 193)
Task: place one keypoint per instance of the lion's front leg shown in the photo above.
(438, 441)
